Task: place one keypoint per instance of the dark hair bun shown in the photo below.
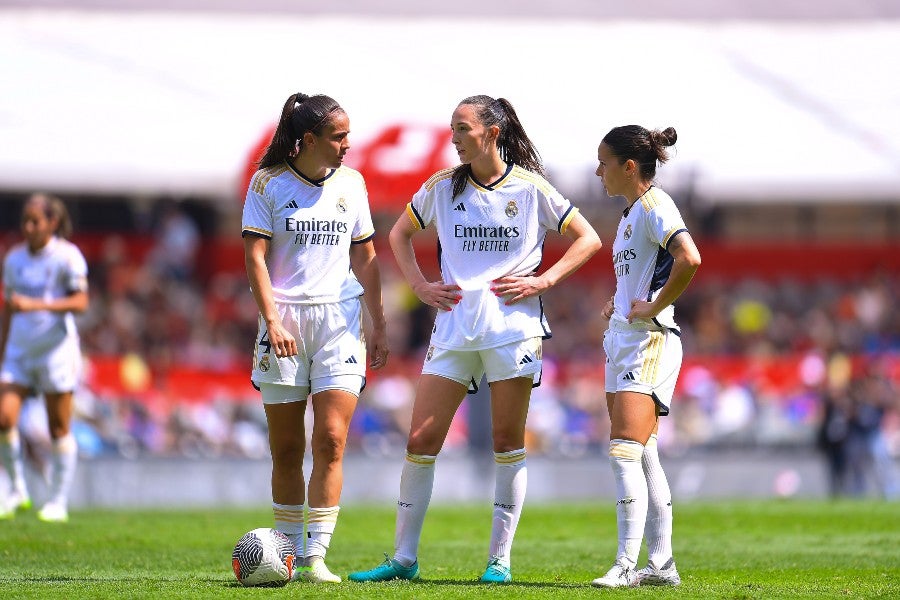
(665, 138)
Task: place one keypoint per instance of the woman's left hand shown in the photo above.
(514, 288)
(641, 309)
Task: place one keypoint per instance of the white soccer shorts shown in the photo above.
(516, 359)
(329, 342)
(56, 370)
(638, 360)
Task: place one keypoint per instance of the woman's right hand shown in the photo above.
(438, 294)
(608, 310)
(283, 343)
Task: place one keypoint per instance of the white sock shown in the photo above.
(659, 510)
(65, 459)
(511, 479)
(631, 498)
(289, 521)
(416, 485)
(11, 456)
(320, 524)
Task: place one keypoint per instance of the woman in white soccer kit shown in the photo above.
(309, 255)
(654, 258)
(492, 214)
(44, 284)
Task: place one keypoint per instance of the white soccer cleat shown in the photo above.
(665, 575)
(315, 570)
(53, 512)
(15, 502)
(618, 576)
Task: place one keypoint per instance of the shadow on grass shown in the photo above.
(479, 584)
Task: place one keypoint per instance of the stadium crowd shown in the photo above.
(769, 361)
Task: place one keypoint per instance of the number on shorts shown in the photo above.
(264, 341)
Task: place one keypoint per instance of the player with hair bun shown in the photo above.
(654, 258)
(309, 256)
(44, 285)
(492, 213)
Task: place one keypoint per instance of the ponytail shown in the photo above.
(301, 114)
(513, 143)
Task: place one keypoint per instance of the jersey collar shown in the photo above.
(305, 179)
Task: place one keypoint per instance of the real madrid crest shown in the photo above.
(341, 205)
(264, 363)
(429, 354)
(511, 209)
(627, 233)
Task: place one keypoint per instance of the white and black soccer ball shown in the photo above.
(263, 557)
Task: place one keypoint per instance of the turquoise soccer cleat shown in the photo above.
(389, 570)
(496, 572)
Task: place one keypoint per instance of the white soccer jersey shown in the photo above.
(57, 270)
(310, 225)
(640, 254)
(488, 232)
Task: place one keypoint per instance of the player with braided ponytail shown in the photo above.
(492, 214)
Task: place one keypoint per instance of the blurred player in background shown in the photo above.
(309, 255)
(44, 284)
(492, 214)
(654, 258)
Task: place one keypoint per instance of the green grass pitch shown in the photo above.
(725, 550)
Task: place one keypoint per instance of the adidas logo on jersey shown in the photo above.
(629, 376)
(525, 360)
(460, 206)
(291, 204)
(352, 360)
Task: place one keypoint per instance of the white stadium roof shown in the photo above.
(154, 102)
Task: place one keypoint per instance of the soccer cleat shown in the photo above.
(618, 576)
(496, 572)
(665, 575)
(388, 570)
(15, 502)
(315, 571)
(53, 513)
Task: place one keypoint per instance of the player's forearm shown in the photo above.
(679, 278)
(369, 275)
(578, 253)
(261, 287)
(402, 247)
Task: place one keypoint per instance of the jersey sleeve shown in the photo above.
(76, 272)
(663, 223)
(421, 209)
(363, 229)
(554, 210)
(257, 217)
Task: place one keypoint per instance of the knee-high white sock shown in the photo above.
(11, 456)
(320, 524)
(631, 498)
(416, 485)
(511, 480)
(289, 521)
(65, 459)
(659, 510)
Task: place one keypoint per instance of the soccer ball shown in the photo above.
(263, 557)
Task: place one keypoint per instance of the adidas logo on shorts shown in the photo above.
(352, 360)
(525, 360)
